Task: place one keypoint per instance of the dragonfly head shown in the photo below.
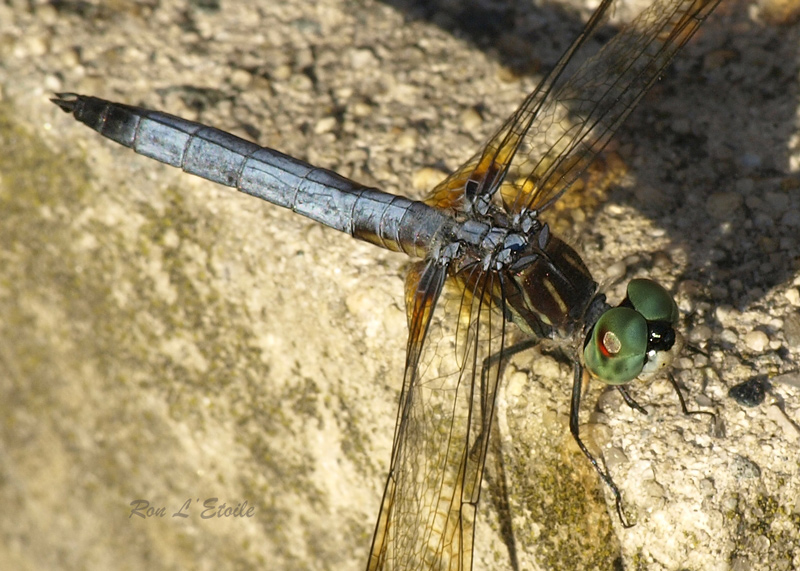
(638, 338)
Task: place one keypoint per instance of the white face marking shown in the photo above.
(657, 360)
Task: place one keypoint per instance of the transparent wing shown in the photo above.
(427, 517)
(559, 129)
(489, 167)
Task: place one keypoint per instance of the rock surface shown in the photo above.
(163, 339)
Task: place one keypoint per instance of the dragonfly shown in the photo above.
(488, 269)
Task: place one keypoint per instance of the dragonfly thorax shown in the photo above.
(501, 248)
(495, 242)
(549, 287)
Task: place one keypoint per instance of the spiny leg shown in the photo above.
(500, 499)
(574, 428)
(684, 408)
(506, 353)
(486, 367)
(626, 396)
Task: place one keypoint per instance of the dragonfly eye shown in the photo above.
(636, 339)
(651, 300)
(617, 346)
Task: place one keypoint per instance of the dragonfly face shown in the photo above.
(636, 339)
(488, 264)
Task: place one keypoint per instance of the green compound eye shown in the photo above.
(652, 301)
(616, 350)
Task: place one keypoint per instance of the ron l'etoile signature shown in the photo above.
(211, 509)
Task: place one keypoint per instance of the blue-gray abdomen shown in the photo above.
(388, 220)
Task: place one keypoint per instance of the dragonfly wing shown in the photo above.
(582, 114)
(488, 168)
(547, 144)
(427, 517)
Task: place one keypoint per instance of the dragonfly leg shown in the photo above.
(500, 498)
(626, 396)
(684, 408)
(486, 368)
(574, 428)
(493, 360)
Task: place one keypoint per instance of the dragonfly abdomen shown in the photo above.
(391, 221)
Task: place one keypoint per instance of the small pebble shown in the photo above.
(745, 469)
(407, 140)
(756, 341)
(791, 378)
(720, 205)
(471, 119)
(789, 428)
(361, 109)
(615, 271)
(718, 291)
(281, 73)
(241, 79)
(750, 393)
(363, 58)
(791, 330)
(615, 457)
(325, 125)
(707, 487)
(699, 334)
(750, 161)
(724, 312)
(791, 218)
